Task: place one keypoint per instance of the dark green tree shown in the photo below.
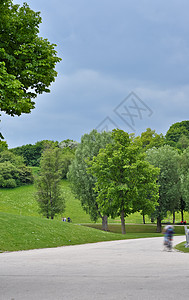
(176, 132)
(49, 195)
(32, 153)
(27, 61)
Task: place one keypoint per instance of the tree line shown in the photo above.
(111, 173)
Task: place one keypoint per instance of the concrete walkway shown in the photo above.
(130, 269)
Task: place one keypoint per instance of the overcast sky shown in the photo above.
(125, 64)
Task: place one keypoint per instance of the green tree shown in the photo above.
(83, 182)
(166, 158)
(49, 195)
(68, 154)
(176, 131)
(13, 171)
(27, 61)
(184, 179)
(32, 153)
(150, 139)
(3, 145)
(147, 140)
(183, 142)
(125, 181)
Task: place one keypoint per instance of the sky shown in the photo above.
(125, 64)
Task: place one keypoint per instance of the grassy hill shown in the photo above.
(22, 228)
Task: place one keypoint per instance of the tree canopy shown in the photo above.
(27, 61)
(82, 181)
(13, 171)
(125, 181)
(176, 133)
(166, 158)
(149, 139)
(49, 195)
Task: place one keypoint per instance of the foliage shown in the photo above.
(68, 154)
(150, 139)
(68, 144)
(166, 158)
(3, 145)
(13, 171)
(32, 153)
(183, 142)
(49, 196)
(27, 61)
(82, 182)
(125, 181)
(176, 133)
(184, 177)
(67, 157)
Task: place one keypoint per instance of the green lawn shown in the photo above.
(21, 226)
(24, 232)
(180, 247)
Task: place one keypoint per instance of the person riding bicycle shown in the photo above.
(168, 236)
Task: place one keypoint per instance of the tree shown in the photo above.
(27, 61)
(184, 179)
(13, 171)
(166, 158)
(150, 139)
(83, 182)
(125, 181)
(49, 196)
(3, 146)
(68, 154)
(32, 153)
(176, 131)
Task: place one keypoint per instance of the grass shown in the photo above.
(23, 233)
(22, 228)
(180, 247)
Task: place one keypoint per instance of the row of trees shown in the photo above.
(113, 174)
(16, 163)
(117, 174)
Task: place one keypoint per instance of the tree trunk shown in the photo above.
(105, 223)
(182, 215)
(143, 215)
(182, 208)
(158, 224)
(123, 222)
(173, 217)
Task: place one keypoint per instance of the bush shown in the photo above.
(13, 171)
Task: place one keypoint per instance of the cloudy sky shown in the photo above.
(125, 64)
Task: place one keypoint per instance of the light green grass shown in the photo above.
(180, 247)
(19, 201)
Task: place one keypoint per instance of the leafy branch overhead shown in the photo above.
(27, 61)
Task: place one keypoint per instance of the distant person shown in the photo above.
(69, 219)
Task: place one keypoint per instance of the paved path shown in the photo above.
(130, 269)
